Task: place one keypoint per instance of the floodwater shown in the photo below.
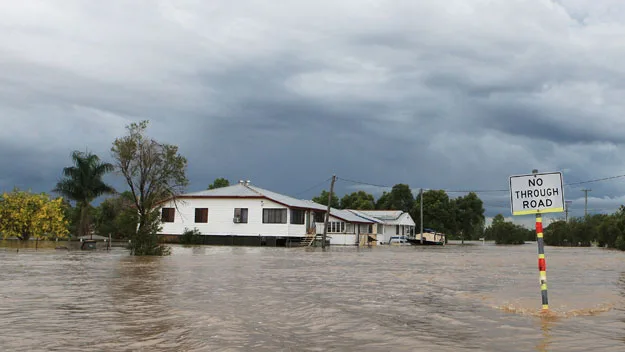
(452, 298)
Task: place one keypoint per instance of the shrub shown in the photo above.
(191, 237)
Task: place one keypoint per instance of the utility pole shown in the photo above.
(325, 223)
(421, 208)
(586, 201)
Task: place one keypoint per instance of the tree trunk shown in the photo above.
(83, 225)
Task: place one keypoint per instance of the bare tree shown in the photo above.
(154, 172)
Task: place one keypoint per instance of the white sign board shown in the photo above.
(536, 193)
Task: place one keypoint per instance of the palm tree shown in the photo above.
(83, 183)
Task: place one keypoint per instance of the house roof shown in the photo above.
(237, 190)
(388, 217)
(384, 215)
(350, 216)
(241, 190)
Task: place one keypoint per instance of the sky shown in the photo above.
(454, 95)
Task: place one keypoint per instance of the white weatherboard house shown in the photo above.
(393, 223)
(347, 227)
(241, 214)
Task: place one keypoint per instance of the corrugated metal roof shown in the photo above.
(290, 201)
(365, 216)
(388, 217)
(383, 214)
(242, 190)
(237, 190)
(351, 216)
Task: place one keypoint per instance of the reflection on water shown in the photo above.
(449, 298)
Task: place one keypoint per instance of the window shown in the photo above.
(336, 227)
(274, 216)
(167, 214)
(201, 215)
(320, 217)
(297, 216)
(397, 229)
(370, 228)
(240, 215)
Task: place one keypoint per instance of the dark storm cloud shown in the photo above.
(287, 95)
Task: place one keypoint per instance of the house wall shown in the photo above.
(342, 240)
(221, 214)
(348, 237)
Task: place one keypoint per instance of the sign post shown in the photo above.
(538, 194)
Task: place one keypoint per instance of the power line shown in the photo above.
(313, 187)
(476, 191)
(363, 183)
(595, 180)
(482, 190)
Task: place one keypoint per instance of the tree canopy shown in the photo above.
(360, 200)
(83, 183)
(505, 232)
(116, 216)
(438, 211)
(25, 215)
(219, 183)
(323, 199)
(154, 172)
(469, 216)
(399, 198)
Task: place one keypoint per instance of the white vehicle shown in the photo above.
(399, 241)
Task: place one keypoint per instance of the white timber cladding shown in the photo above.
(340, 226)
(221, 213)
(343, 239)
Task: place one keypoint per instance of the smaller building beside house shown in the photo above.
(393, 223)
(365, 227)
(348, 229)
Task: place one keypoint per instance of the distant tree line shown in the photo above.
(506, 232)
(603, 230)
(459, 218)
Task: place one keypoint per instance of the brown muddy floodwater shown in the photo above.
(453, 298)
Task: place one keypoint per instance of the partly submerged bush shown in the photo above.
(191, 237)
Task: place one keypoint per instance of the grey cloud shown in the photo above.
(457, 95)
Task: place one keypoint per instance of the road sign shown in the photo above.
(536, 193)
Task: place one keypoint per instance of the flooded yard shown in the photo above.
(480, 297)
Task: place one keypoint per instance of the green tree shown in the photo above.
(469, 215)
(219, 183)
(323, 199)
(438, 213)
(360, 200)
(117, 217)
(505, 232)
(25, 215)
(83, 183)
(154, 172)
(399, 198)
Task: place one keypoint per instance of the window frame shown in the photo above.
(203, 215)
(170, 211)
(301, 213)
(270, 215)
(242, 214)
